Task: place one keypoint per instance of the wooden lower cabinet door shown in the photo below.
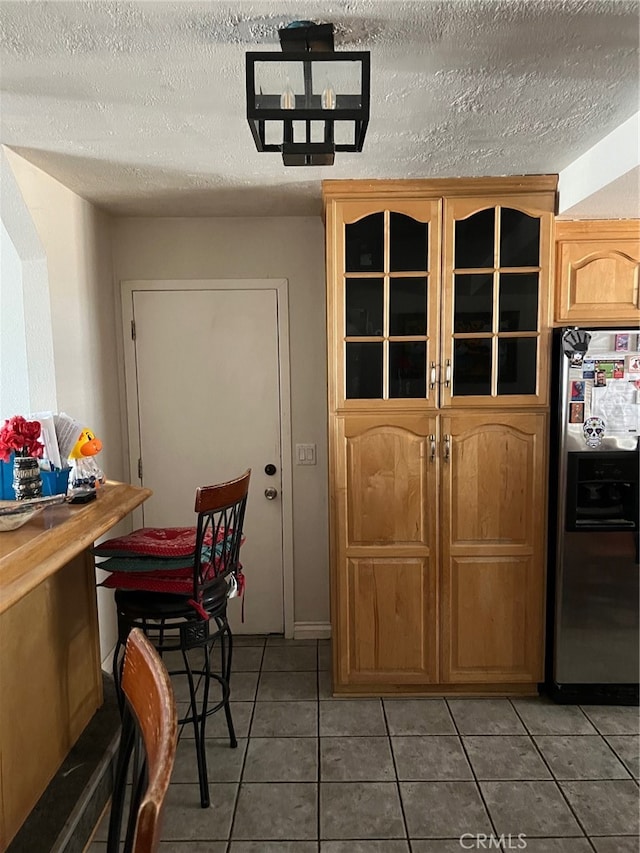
(385, 560)
(493, 548)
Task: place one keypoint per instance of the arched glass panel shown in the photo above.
(474, 240)
(519, 239)
(408, 243)
(364, 244)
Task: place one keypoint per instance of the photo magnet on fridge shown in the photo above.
(588, 368)
(577, 392)
(622, 342)
(633, 366)
(576, 413)
(606, 367)
(618, 370)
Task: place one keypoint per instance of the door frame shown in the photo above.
(132, 437)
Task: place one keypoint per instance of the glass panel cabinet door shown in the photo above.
(496, 279)
(387, 303)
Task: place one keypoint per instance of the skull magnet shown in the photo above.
(593, 429)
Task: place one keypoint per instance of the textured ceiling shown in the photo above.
(140, 106)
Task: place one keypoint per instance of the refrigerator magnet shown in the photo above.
(622, 343)
(606, 366)
(588, 368)
(600, 379)
(576, 413)
(618, 370)
(633, 366)
(575, 343)
(577, 393)
(593, 430)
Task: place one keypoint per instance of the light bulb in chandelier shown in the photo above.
(328, 97)
(287, 98)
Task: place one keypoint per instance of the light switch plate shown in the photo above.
(305, 454)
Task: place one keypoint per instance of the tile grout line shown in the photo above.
(395, 770)
(464, 749)
(246, 752)
(553, 778)
(619, 757)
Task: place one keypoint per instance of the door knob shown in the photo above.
(270, 493)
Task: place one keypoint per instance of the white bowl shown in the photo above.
(17, 519)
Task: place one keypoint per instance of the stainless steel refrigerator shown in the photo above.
(594, 484)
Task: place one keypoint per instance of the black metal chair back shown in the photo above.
(221, 510)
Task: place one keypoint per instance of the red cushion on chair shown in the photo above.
(176, 581)
(160, 542)
(152, 542)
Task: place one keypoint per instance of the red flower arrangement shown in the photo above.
(20, 436)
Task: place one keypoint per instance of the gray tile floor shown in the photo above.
(313, 774)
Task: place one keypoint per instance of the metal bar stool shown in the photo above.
(185, 608)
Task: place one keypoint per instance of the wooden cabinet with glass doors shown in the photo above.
(438, 339)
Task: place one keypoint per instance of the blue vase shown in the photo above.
(6, 479)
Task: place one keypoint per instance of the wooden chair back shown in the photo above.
(151, 721)
(221, 510)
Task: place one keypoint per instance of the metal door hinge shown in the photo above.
(140, 468)
(133, 330)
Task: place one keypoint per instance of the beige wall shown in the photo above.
(291, 248)
(88, 253)
(77, 241)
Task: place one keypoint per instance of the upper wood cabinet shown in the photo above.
(438, 293)
(597, 265)
(384, 302)
(497, 254)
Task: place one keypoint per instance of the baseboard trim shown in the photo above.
(312, 630)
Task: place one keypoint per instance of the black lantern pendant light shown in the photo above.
(308, 101)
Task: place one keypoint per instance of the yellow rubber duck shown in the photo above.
(85, 474)
(87, 445)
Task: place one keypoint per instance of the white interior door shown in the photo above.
(206, 405)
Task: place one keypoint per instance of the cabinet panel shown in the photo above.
(597, 272)
(492, 485)
(386, 487)
(391, 635)
(493, 547)
(493, 636)
(385, 556)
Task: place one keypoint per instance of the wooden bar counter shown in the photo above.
(50, 675)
